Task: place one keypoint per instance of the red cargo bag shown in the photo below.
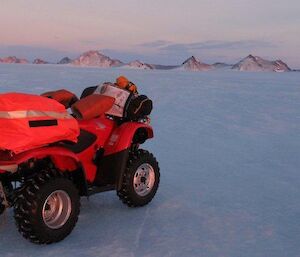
(30, 121)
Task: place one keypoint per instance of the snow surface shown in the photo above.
(228, 144)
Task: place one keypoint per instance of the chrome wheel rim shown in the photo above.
(144, 179)
(57, 209)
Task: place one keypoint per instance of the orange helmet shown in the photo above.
(124, 83)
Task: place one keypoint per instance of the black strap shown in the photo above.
(42, 123)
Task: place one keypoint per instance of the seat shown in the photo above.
(62, 96)
(88, 91)
(92, 106)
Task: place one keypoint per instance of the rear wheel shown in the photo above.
(47, 208)
(140, 180)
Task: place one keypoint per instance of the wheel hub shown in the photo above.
(144, 179)
(57, 209)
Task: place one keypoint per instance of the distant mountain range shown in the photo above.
(97, 59)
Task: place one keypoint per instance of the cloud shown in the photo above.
(128, 56)
(162, 45)
(226, 45)
(209, 51)
(155, 44)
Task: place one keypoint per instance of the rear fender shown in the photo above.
(125, 135)
(58, 154)
(63, 159)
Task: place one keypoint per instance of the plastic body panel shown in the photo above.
(122, 136)
(111, 138)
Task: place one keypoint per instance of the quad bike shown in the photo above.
(44, 185)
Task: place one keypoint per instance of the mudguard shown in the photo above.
(62, 158)
(37, 153)
(122, 137)
(113, 163)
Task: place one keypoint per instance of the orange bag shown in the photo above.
(30, 121)
(92, 106)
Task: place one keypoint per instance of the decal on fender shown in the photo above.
(100, 125)
(113, 139)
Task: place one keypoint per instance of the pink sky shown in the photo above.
(268, 28)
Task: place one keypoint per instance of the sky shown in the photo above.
(162, 32)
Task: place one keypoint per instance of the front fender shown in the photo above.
(122, 137)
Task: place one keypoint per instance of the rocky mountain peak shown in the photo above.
(97, 59)
(256, 63)
(139, 65)
(39, 61)
(65, 60)
(193, 64)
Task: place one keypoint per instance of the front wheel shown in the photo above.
(47, 208)
(140, 180)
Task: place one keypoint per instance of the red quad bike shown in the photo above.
(44, 184)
